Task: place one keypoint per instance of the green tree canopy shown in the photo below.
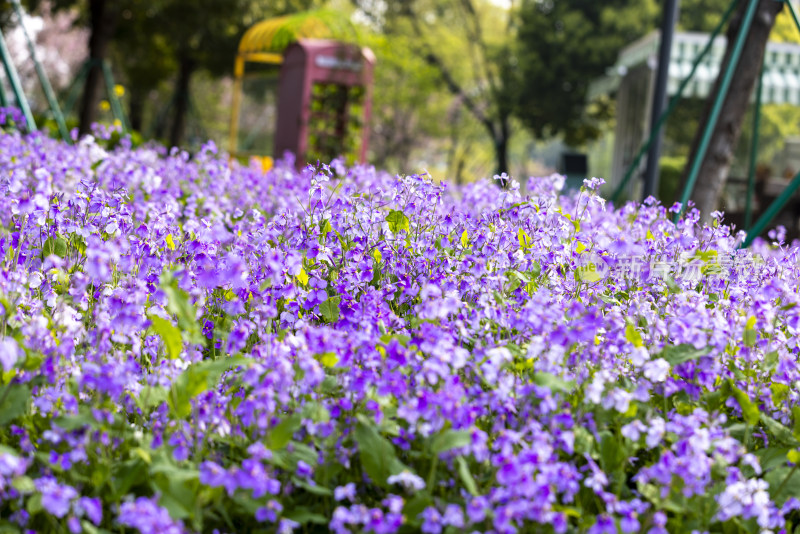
(561, 47)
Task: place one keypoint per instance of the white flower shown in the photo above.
(639, 356)
(655, 432)
(408, 480)
(633, 430)
(35, 280)
(656, 370)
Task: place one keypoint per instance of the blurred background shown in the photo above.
(462, 88)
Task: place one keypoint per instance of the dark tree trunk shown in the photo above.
(725, 136)
(136, 109)
(501, 138)
(181, 109)
(102, 17)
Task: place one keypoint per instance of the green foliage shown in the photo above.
(170, 335)
(14, 401)
(561, 48)
(398, 221)
(197, 378)
(378, 458)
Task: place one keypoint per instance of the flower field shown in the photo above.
(193, 346)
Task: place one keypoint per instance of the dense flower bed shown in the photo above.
(189, 346)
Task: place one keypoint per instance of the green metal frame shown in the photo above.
(716, 108)
(778, 204)
(3, 96)
(45, 83)
(672, 104)
(74, 87)
(80, 80)
(769, 214)
(16, 85)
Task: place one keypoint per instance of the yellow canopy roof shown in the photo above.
(274, 35)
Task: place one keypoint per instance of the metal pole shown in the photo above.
(673, 102)
(772, 211)
(3, 96)
(694, 170)
(76, 85)
(668, 20)
(46, 87)
(751, 174)
(16, 85)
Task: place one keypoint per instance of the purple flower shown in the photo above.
(269, 512)
(453, 516)
(56, 498)
(431, 521)
(9, 353)
(348, 491)
(148, 517)
(603, 525)
(303, 469)
(92, 507)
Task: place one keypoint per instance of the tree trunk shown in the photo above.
(181, 102)
(725, 136)
(103, 21)
(136, 109)
(501, 138)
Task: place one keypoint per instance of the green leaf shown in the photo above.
(796, 420)
(781, 434)
(282, 433)
(330, 310)
(35, 504)
(464, 239)
(15, 402)
(749, 337)
(178, 488)
(126, 475)
(524, 239)
(398, 221)
(325, 227)
(771, 457)
(553, 383)
(784, 482)
(169, 334)
(328, 359)
(466, 476)
(195, 379)
(150, 397)
(678, 354)
(302, 277)
(304, 515)
(23, 484)
(750, 412)
(179, 305)
(83, 419)
(416, 505)
(377, 454)
(450, 439)
(612, 453)
(770, 361)
(55, 246)
(633, 336)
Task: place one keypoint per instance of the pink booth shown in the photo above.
(324, 101)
